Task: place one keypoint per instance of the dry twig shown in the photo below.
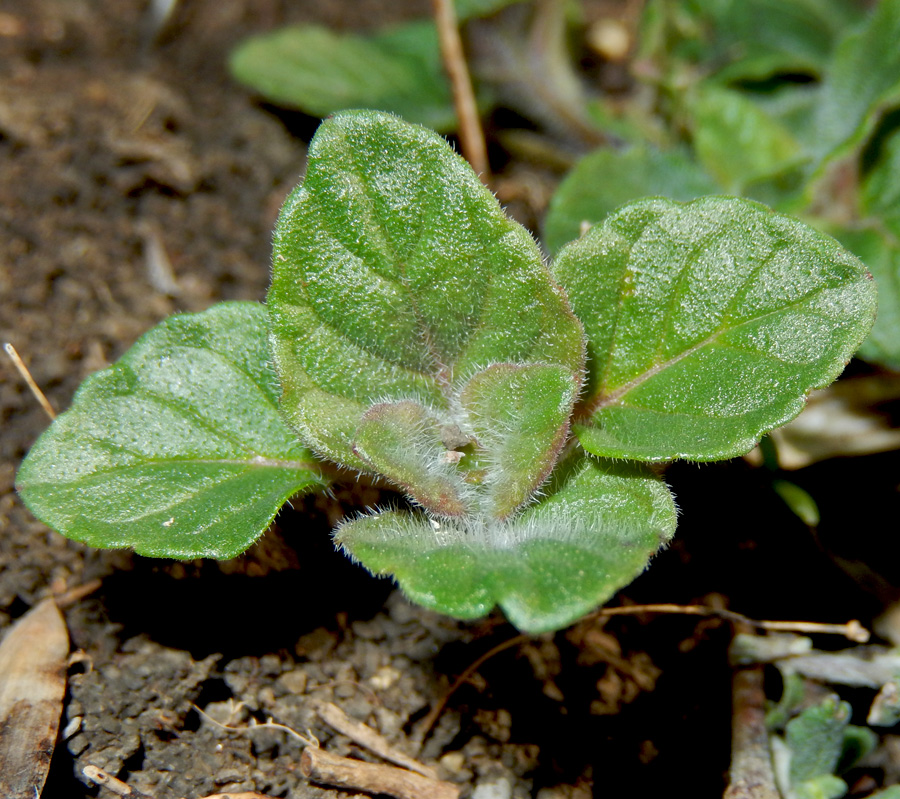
(256, 725)
(434, 714)
(368, 738)
(323, 767)
(751, 775)
(471, 135)
(852, 630)
(104, 778)
(29, 380)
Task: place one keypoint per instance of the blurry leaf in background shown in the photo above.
(880, 191)
(772, 37)
(524, 57)
(880, 251)
(726, 37)
(862, 78)
(802, 505)
(466, 9)
(736, 141)
(813, 743)
(319, 71)
(607, 178)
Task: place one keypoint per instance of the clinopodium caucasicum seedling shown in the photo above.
(414, 332)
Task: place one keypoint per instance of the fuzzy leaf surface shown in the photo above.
(546, 567)
(396, 276)
(402, 441)
(520, 417)
(605, 179)
(815, 739)
(176, 450)
(707, 324)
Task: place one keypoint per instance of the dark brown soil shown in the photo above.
(114, 142)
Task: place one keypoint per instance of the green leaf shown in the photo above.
(880, 251)
(825, 786)
(466, 9)
(797, 37)
(520, 418)
(178, 449)
(707, 324)
(403, 442)
(801, 503)
(880, 191)
(396, 277)
(605, 179)
(736, 141)
(546, 567)
(862, 78)
(320, 71)
(815, 739)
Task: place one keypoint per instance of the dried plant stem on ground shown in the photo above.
(852, 630)
(368, 738)
(471, 135)
(29, 380)
(751, 775)
(107, 780)
(342, 772)
(101, 777)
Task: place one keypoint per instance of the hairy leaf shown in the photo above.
(546, 567)
(605, 179)
(520, 417)
(403, 442)
(708, 323)
(178, 449)
(815, 739)
(396, 277)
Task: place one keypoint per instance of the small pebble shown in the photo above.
(497, 789)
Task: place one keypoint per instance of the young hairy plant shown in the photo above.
(417, 335)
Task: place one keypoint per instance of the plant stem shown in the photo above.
(471, 135)
(751, 775)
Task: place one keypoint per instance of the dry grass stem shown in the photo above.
(29, 380)
(323, 767)
(107, 780)
(369, 739)
(852, 630)
(751, 775)
(471, 134)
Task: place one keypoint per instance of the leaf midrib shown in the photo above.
(605, 401)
